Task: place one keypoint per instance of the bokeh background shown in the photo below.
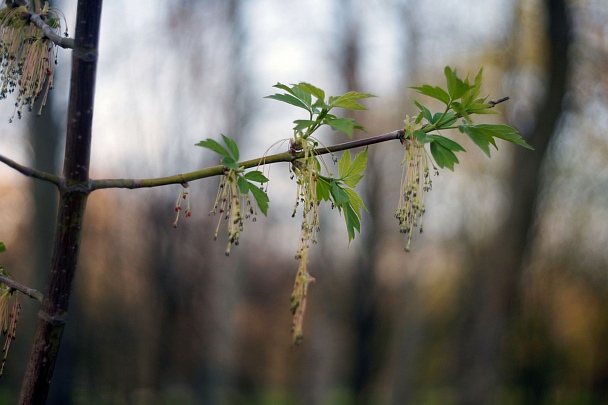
(503, 299)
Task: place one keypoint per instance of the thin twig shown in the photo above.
(28, 171)
(217, 170)
(501, 100)
(30, 292)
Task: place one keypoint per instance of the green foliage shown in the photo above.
(301, 95)
(337, 190)
(245, 181)
(462, 100)
(340, 190)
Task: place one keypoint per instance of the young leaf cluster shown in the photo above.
(462, 100)
(245, 181)
(340, 191)
(312, 99)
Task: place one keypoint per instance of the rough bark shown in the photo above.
(73, 191)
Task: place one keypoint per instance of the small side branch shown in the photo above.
(30, 292)
(28, 171)
(46, 29)
(66, 43)
(218, 170)
(501, 100)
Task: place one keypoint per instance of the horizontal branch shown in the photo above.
(28, 171)
(30, 292)
(218, 170)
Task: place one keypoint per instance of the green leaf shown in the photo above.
(349, 100)
(427, 114)
(338, 194)
(448, 119)
(504, 132)
(256, 176)
(289, 99)
(421, 136)
(459, 108)
(214, 146)
(243, 185)
(232, 147)
(434, 92)
(301, 125)
(478, 137)
(345, 125)
(260, 196)
(355, 201)
(480, 107)
(323, 188)
(284, 87)
(472, 94)
(302, 95)
(2, 247)
(229, 162)
(315, 91)
(484, 134)
(443, 156)
(351, 172)
(456, 87)
(344, 164)
(352, 221)
(446, 143)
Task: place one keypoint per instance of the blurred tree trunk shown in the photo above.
(410, 327)
(490, 292)
(365, 284)
(221, 64)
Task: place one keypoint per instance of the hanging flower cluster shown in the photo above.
(184, 195)
(235, 207)
(306, 171)
(9, 315)
(27, 57)
(415, 181)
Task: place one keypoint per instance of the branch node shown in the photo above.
(56, 320)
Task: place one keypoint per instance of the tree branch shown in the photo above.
(66, 43)
(218, 170)
(45, 28)
(29, 172)
(30, 292)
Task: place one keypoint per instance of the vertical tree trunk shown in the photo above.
(73, 192)
(365, 283)
(490, 295)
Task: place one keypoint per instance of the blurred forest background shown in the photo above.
(503, 299)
